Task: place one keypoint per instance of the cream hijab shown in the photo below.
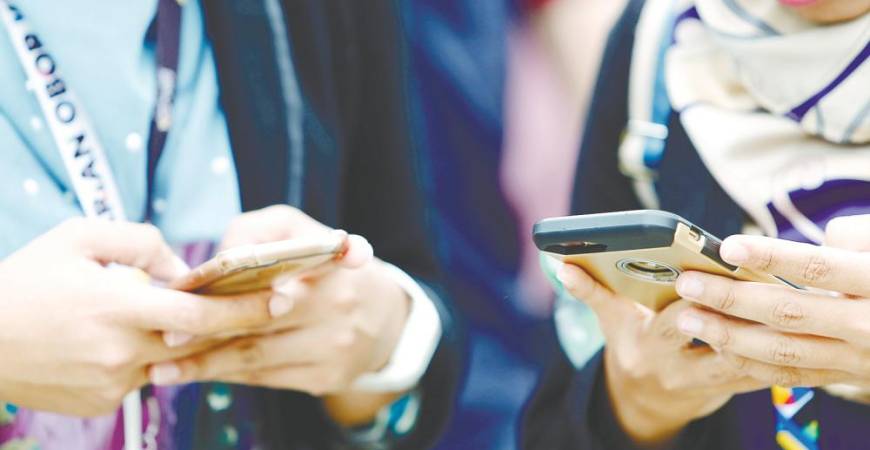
(779, 110)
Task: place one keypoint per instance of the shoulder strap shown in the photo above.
(649, 108)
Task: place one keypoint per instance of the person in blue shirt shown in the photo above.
(287, 119)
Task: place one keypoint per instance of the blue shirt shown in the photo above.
(103, 52)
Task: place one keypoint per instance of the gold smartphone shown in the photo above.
(638, 254)
(254, 267)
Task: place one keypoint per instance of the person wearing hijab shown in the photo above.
(746, 118)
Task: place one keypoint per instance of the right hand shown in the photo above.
(76, 336)
(656, 380)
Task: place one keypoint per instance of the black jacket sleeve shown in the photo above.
(360, 170)
(384, 198)
(571, 408)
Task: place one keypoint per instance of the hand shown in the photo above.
(657, 381)
(76, 336)
(341, 322)
(785, 336)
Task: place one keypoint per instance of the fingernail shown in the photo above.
(689, 286)
(165, 373)
(734, 253)
(360, 251)
(280, 305)
(690, 324)
(176, 339)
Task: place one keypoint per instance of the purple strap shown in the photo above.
(168, 27)
(797, 114)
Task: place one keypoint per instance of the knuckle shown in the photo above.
(669, 383)
(786, 377)
(192, 318)
(150, 233)
(721, 337)
(726, 301)
(346, 299)
(787, 314)
(251, 352)
(784, 351)
(669, 333)
(816, 268)
(738, 362)
(767, 258)
(116, 357)
(285, 212)
(346, 339)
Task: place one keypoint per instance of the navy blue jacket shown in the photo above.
(571, 409)
(359, 170)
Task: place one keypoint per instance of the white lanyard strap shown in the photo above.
(82, 153)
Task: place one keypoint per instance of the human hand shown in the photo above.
(334, 325)
(781, 335)
(657, 381)
(76, 336)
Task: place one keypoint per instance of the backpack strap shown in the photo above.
(649, 108)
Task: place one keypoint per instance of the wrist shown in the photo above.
(396, 321)
(419, 337)
(638, 404)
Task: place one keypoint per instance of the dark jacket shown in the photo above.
(571, 409)
(357, 169)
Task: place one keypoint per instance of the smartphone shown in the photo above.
(254, 267)
(638, 254)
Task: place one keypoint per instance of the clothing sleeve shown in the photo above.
(571, 408)
(384, 200)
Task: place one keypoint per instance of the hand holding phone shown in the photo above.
(638, 254)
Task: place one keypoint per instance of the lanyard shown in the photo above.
(83, 154)
(168, 26)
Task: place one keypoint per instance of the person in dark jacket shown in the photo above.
(222, 123)
(694, 113)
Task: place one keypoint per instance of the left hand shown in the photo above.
(781, 335)
(330, 326)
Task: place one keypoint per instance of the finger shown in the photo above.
(358, 253)
(761, 343)
(849, 233)
(822, 267)
(780, 307)
(609, 307)
(300, 347)
(274, 223)
(785, 376)
(168, 310)
(664, 326)
(131, 244)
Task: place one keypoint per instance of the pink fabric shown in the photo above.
(540, 151)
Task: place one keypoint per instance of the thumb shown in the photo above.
(131, 244)
(849, 233)
(611, 309)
